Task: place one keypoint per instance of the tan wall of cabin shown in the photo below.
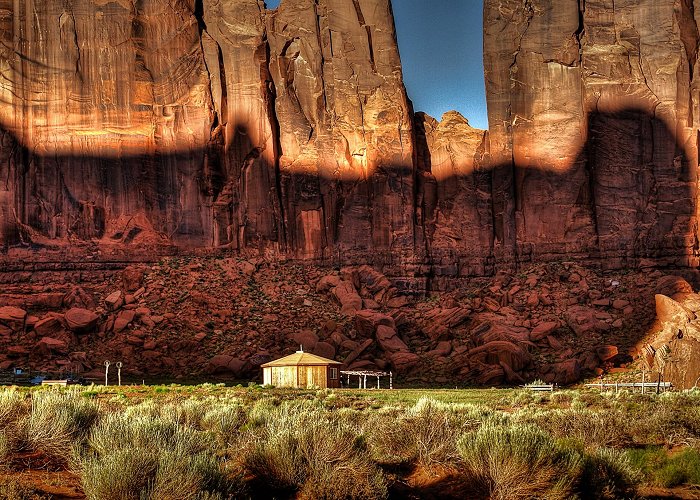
(299, 377)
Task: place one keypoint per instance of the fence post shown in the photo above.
(107, 363)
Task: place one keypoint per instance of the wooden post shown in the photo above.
(119, 372)
(617, 388)
(658, 384)
(107, 363)
(348, 376)
(377, 381)
(643, 377)
(601, 384)
(365, 381)
(391, 380)
(359, 380)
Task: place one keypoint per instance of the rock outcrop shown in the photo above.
(593, 129)
(672, 349)
(128, 131)
(214, 123)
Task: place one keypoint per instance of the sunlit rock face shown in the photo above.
(208, 123)
(455, 203)
(593, 129)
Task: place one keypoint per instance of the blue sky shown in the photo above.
(442, 56)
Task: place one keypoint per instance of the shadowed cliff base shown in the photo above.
(626, 198)
(623, 202)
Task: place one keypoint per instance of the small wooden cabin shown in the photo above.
(302, 370)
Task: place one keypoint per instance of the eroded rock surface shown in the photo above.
(214, 123)
(593, 129)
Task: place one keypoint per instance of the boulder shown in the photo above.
(366, 322)
(347, 296)
(307, 339)
(78, 298)
(357, 351)
(389, 341)
(114, 301)
(403, 361)
(607, 352)
(326, 283)
(48, 326)
(325, 350)
(567, 372)
(132, 278)
(81, 320)
(124, 318)
(13, 317)
(509, 353)
(49, 345)
(543, 330)
(668, 310)
(223, 363)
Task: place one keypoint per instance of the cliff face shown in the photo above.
(208, 123)
(153, 126)
(593, 129)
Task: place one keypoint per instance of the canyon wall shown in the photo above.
(594, 129)
(204, 124)
(132, 129)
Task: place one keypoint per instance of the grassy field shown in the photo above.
(214, 442)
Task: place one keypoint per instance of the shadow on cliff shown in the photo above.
(628, 199)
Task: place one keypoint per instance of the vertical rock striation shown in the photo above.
(152, 126)
(207, 123)
(593, 133)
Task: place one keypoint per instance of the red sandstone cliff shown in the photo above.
(214, 123)
(593, 129)
(288, 132)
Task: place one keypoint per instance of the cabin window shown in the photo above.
(334, 374)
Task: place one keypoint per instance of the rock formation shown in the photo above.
(288, 132)
(672, 347)
(213, 123)
(593, 131)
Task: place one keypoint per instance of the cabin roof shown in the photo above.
(301, 358)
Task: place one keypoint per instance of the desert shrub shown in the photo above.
(11, 489)
(519, 461)
(425, 434)
(607, 429)
(658, 468)
(672, 420)
(151, 458)
(608, 474)
(562, 397)
(225, 420)
(12, 407)
(683, 468)
(5, 450)
(188, 412)
(318, 454)
(58, 421)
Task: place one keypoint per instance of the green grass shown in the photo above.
(667, 470)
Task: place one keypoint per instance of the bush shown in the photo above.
(606, 429)
(425, 434)
(299, 448)
(683, 468)
(150, 457)
(519, 461)
(608, 474)
(11, 489)
(57, 422)
(12, 407)
(5, 450)
(660, 469)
